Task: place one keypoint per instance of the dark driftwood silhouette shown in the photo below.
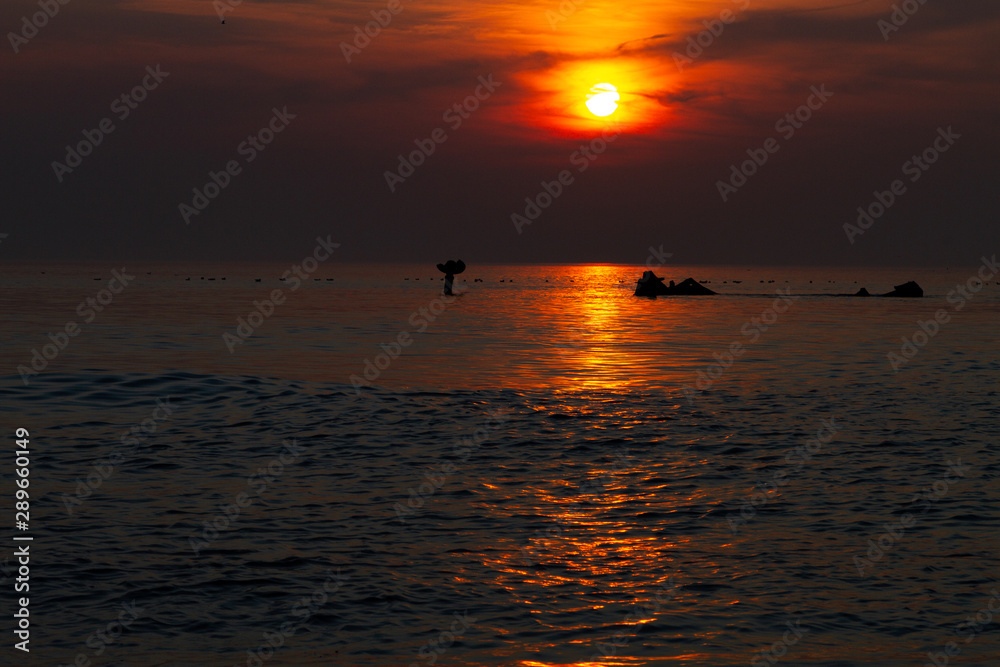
(652, 285)
(450, 269)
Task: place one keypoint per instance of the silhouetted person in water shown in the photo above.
(450, 269)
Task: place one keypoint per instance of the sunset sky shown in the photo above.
(680, 125)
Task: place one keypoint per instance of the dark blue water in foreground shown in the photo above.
(509, 496)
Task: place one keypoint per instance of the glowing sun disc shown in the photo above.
(603, 99)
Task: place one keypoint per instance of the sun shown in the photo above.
(602, 100)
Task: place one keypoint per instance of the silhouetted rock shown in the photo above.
(649, 285)
(652, 285)
(909, 290)
(689, 287)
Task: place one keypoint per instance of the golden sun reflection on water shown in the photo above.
(619, 661)
(588, 536)
(587, 663)
(602, 522)
(597, 343)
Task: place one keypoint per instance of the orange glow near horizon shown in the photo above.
(547, 53)
(562, 55)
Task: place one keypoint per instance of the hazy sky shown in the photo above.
(687, 112)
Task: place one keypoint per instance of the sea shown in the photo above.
(320, 463)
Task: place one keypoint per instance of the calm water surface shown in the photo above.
(555, 461)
